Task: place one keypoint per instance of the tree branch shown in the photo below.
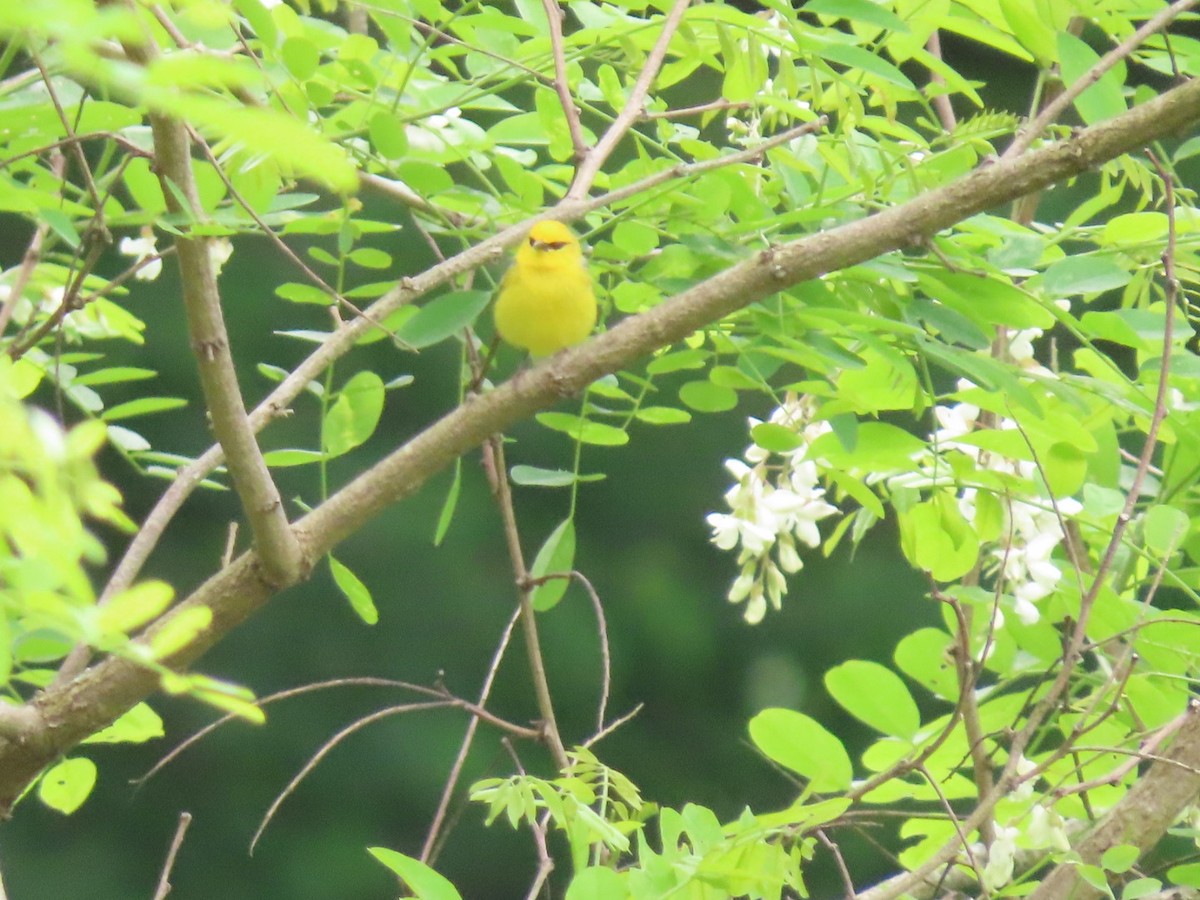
(1055, 107)
(585, 175)
(554, 18)
(1141, 817)
(70, 712)
(279, 555)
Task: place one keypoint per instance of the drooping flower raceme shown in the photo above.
(1033, 525)
(774, 504)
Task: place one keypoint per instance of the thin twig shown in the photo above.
(401, 192)
(498, 473)
(164, 880)
(613, 726)
(274, 698)
(464, 748)
(697, 110)
(847, 880)
(328, 746)
(545, 861)
(966, 670)
(586, 174)
(605, 655)
(955, 821)
(1054, 108)
(33, 253)
(554, 18)
(1146, 751)
(941, 101)
(85, 168)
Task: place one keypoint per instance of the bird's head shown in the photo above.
(550, 245)
(550, 236)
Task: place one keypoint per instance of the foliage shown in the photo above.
(1014, 393)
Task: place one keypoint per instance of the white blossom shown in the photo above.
(1001, 858)
(142, 248)
(1024, 555)
(1046, 829)
(774, 504)
(219, 251)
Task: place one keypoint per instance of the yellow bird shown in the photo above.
(546, 301)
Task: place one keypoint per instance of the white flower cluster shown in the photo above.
(144, 250)
(1032, 826)
(774, 504)
(1032, 529)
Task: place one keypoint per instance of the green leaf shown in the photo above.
(1027, 26)
(677, 361)
(61, 225)
(1088, 274)
(1140, 887)
(706, 397)
(370, 258)
(113, 375)
(1186, 875)
(293, 456)
(878, 447)
(388, 136)
(142, 407)
(663, 415)
(354, 414)
(533, 476)
(67, 784)
(1120, 858)
(424, 882)
(584, 430)
(875, 695)
(1094, 875)
(776, 438)
(440, 318)
(1165, 528)
(180, 630)
(290, 141)
(922, 656)
(354, 590)
(857, 11)
(803, 745)
(446, 516)
(859, 60)
(135, 606)
(634, 238)
(937, 539)
(555, 557)
(295, 292)
(301, 57)
(230, 698)
(597, 883)
(135, 726)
